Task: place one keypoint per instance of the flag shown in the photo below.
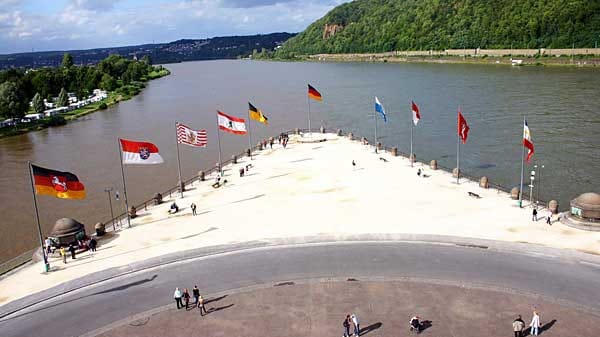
(314, 94)
(415, 112)
(527, 142)
(139, 152)
(231, 124)
(463, 128)
(185, 135)
(379, 108)
(64, 185)
(257, 115)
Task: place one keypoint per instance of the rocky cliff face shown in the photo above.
(331, 29)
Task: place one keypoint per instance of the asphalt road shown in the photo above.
(96, 306)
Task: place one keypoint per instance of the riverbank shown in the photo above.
(310, 189)
(123, 93)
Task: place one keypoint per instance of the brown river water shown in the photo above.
(562, 106)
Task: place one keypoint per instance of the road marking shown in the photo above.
(591, 264)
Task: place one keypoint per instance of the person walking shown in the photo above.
(535, 324)
(72, 250)
(93, 244)
(186, 298)
(193, 207)
(518, 326)
(534, 214)
(63, 253)
(177, 296)
(346, 325)
(201, 305)
(356, 324)
(196, 294)
(48, 243)
(549, 218)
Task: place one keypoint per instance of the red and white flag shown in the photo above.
(416, 114)
(231, 124)
(139, 152)
(463, 127)
(527, 142)
(185, 135)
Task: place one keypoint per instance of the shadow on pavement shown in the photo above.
(216, 299)
(211, 310)
(425, 325)
(370, 328)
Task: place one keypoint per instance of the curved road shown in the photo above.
(97, 306)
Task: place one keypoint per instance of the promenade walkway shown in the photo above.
(305, 190)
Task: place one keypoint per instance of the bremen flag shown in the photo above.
(527, 142)
(139, 152)
(59, 184)
(186, 135)
(415, 112)
(463, 128)
(379, 108)
(231, 124)
(257, 115)
(314, 94)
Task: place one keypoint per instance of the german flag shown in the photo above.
(257, 115)
(59, 184)
(314, 93)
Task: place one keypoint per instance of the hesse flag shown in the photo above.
(187, 136)
(139, 152)
(314, 93)
(59, 184)
(231, 124)
(463, 128)
(379, 108)
(527, 142)
(415, 112)
(257, 115)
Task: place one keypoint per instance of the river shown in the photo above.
(561, 106)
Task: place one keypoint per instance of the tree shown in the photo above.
(63, 98)
(38, 103)
(108, 83)
(67, 61)
(13, 103)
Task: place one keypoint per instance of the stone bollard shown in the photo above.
(339, 132)
(297, 131)
(379, 146)
(259, 146)
(322, 129)
(412, 158)
(395, 151)
(484, 182)
(553, 206)
(433, 165)
(100, 229)
(248, 152)
(363, 141)
(351, 136)
(158, 199)
(218, 167)
(202, 176)
(514, 193)
(234, 159)
(132, 212)
(455, 172)
(182, 187)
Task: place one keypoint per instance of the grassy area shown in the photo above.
(122, 93)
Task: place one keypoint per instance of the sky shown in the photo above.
(38, 25)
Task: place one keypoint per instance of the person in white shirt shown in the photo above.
(356, 325)
(535, 324)
(177, 296)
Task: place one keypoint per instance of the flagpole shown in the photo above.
(308, 99)
(522, 169)
(457, 152)
(375, 131)
(124, 185)
(249, 133)
(412, 125)
(219, 142)
(178, 161)
(37, 217)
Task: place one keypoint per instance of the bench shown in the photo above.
(474, 195)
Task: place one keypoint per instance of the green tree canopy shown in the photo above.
(63, 98)
(38, 103)
(67, 61)
(108, 82)
(13, 103)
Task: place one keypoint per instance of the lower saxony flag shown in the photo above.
(64, 185)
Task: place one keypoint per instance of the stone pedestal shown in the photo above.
(455, 172)
(322, 129)
(351, 136)
(433, 165)
(297, 131)
(234, 159)
(158, 199)
(202, 175)
(484, 182)
(394, 151)
(379, 146)
(412, 158)
(553, 206)
(339, 132)
(259, 146)
(132, 212)
(364, 141)
(514, 193)
(182, 186)
(248, 152)
(100, 229)
(218, 167)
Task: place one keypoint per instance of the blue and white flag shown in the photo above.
(379, 108)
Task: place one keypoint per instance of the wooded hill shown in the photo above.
(387, 25)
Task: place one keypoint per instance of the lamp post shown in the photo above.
(539, 183)
(112, 217)
(532, 178)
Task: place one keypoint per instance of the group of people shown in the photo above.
(534, 216)
(351, 320)
(519, 325)
(88, 244)
(283, 140)
(182, 298)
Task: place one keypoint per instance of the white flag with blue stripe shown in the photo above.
(379, 108)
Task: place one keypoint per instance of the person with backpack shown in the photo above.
(346, 325)
(518, 326)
